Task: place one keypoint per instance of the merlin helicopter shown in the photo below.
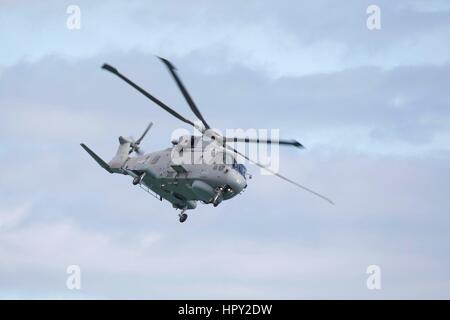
(202, 168)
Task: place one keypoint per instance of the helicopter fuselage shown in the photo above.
(185, 184)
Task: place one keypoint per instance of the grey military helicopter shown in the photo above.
(210, 180)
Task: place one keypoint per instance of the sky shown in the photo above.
(372, 108)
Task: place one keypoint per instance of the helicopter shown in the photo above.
(212, 173)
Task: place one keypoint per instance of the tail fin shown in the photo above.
(99, 160)
(122, 153)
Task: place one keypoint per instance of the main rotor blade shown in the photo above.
(289, 142)
(185, 93)
(148, 95)
(280, 176)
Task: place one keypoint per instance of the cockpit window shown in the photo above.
(240, 168)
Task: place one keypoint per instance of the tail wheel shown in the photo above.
(183, 217)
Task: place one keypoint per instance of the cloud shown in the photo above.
(372, 109)
(9, 218)
(403, 110)
(290, 39)
(222, 267)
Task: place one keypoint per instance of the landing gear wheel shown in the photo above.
(183, 217)
(136, 180)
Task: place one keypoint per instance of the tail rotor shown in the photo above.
(134, 144)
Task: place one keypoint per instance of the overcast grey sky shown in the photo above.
(371, 106)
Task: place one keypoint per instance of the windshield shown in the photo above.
(240, 168)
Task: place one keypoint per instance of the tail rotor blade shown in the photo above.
(134, 146)
(138, 141)
(139, 151)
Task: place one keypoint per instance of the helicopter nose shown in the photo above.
(237, 183)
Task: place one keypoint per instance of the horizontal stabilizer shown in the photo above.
(99, 160)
